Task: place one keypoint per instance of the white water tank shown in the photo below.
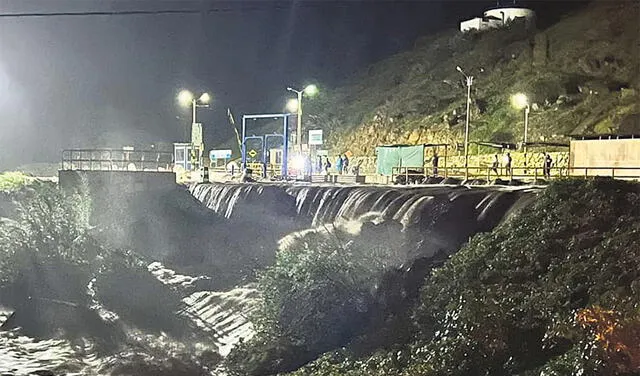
(498, 17)
(507, 15)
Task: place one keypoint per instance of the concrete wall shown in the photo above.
(472, 24)
(112, 192)
(605, 158)
(479, 24)
(510, 14)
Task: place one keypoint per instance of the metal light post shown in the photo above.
(466, 128)
(526, 127)
(186, 98)
(309, 90)
(521, 101)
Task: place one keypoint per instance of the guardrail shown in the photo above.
(417, 174)
(116, 160)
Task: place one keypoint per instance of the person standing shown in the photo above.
(435, 162)
(507, 165)
(339, 164)
(345, 164)
(327, 165)
(495, 165)
(547, 165)
(319, 164)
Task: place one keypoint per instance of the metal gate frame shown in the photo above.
(284, 135)
(262, 141)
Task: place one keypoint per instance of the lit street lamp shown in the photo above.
(520, 101)
(310, 91)
(466, 128)
(186, 99)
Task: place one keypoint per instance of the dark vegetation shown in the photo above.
(555, 290)
(59, 280)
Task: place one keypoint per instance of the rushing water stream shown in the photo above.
(244, 224)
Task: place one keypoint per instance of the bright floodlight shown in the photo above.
(298, 163)
(311, 90)
(519, 101)
(292, 105)
(185, 97)
(205, 98)
(459, 69)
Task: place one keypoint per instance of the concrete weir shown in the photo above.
(111, 191)
(446, 215)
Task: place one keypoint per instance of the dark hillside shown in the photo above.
(582, 75)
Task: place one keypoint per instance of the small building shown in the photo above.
(182, 155)
(605, 155)
(498, 17)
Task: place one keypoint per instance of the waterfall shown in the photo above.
(327, 204)
(430, 218)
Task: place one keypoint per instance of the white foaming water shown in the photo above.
(169, 277)
(20, 355)
(222, 315)
(326, 204)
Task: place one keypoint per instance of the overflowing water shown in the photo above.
(439, 215)
(241, 228)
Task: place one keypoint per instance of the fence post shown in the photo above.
(613, 172)
(406, 176)
(586, 174)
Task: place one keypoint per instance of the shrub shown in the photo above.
(315, 297)
(553, 291)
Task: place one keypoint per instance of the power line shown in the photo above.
(106, 13)
(270, 6)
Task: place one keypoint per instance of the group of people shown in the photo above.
(323, 165)
(546, 165)
(508, 170)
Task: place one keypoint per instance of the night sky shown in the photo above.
(75, 81)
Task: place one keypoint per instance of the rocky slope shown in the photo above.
(581, 75)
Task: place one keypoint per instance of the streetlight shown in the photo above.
(466, 128)
(310, 91)
(521, 101)
(186, 98)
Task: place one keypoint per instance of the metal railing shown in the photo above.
(116, 160)
(417, 174)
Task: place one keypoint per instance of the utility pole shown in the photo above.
(310, 90)
(466, 128)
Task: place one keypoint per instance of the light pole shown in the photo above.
(309, 90)
(521, 101)
(466, 128)
(186, 98)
